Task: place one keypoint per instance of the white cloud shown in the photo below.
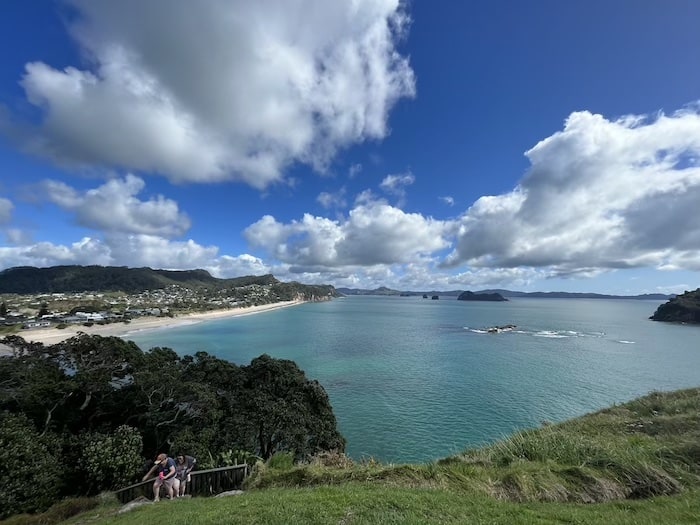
(332, 200)
(6, 208)
(85, 251)
(395, 184)
(448, 200)
(354, 170)
(229, 266)
(17, 236)
(599, 195)
(134, 251)
(113, 207)
(229, 90)
(374, 233)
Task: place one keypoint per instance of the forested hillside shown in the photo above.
(63, 279)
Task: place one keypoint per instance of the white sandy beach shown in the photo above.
(50, 336)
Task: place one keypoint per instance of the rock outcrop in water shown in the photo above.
(471, 296)
(683, 308)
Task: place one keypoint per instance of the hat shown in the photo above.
(160, 458)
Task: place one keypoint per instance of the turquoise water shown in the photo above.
(414, 380)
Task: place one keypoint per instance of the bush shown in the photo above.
(281, 461)
(31, 477)
(110, 461)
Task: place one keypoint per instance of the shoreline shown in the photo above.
(49, 336)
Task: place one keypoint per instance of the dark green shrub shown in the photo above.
(110, 461)
(31, 477)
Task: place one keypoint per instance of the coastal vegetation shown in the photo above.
(85, 415)
(634, 463)
(684, 308)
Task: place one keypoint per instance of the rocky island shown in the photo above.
(471, 296)
(684, 308)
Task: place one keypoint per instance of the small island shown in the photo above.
(471, 296)
(684, 308)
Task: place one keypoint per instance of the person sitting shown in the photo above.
(166, 477)
(183, 466)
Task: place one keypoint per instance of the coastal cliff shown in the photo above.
(683, 308)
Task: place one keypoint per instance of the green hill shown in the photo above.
(69, 279)
(635, 463)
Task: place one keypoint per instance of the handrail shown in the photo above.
(203, 483)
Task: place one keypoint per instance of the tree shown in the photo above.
(31, 473)
(43, 310)
(34, 385)
(101, 370)
(110, 461)
(3, 309)
(287, 412)
(78, 396)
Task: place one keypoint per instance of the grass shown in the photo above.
(635, 463)
(10, 329)
(372, 503)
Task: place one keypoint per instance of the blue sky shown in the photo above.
(540, 145)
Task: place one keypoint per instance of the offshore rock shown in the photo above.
(471, 296)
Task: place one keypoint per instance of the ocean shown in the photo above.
(413, 380)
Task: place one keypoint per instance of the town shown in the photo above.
(30, 311)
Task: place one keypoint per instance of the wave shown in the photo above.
(547, 334)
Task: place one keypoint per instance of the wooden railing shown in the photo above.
(203, 483)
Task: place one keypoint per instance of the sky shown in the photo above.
(535, 146)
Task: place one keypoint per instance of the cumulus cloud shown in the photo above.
(230, 90)
(85, 251)
(600, 194)
(373, 233)
(230, 266)
(450, 201)
(134, 251)
(114, 207)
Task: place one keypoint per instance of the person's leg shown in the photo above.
(183, 486)
(176, 487)
(169, 487)
(156, 489)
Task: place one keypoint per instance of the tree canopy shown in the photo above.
(112, 395)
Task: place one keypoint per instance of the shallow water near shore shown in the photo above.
(415, 380)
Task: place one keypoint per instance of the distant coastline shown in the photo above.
(49, 336)
(505, 293)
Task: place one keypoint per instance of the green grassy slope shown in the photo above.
(635, 463)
